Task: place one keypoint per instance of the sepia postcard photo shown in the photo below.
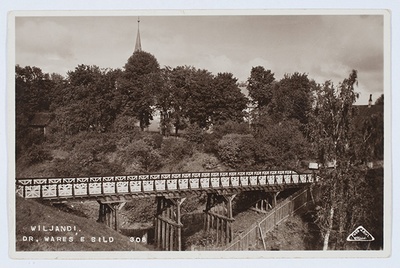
(203, 134)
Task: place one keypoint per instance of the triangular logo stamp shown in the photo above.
(360, 234)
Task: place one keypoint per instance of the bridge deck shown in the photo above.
(116, 188)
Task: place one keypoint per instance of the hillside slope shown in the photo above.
(44, 228)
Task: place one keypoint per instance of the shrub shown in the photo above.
(211, 143)
(125, 125)
(89, 153)
(230, 127)
(153, 139)
(281, 145)
(140, 152)
(37, 154)
(194, 133)
(237, 151)
(176, 149)
(210, 162)
(122, 143)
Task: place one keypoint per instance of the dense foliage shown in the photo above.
(211, 110)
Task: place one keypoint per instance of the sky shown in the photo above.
(326, 47)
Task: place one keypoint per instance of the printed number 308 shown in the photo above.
(137, 239)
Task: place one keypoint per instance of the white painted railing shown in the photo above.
(154, 183)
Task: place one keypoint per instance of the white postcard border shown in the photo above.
(200, 254)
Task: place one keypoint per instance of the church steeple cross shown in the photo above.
(138, 45)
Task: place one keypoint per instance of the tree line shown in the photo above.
(90, 98)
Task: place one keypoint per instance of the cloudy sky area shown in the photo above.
(325, 47)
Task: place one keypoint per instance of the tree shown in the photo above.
(138, 86)
(164, 102)
(228, 102)
(292, 98)
(171, 100)
(180, 80)
(140, 64)
(56, 93)
(368, 128)
(379, 101)
(332, 136)
(32, 88)
(198, 104)
(193, 96)
(88, 100)
(260, 85)
(280, 144)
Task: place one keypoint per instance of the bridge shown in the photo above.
(170, 191)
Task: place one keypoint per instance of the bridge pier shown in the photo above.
(274, 195)
(167, 224)
(266, 201)
(218, 215)
(263, 204)
(108, 214)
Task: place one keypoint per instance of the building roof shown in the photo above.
(41, 120)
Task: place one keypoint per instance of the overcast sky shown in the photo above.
(325, 47)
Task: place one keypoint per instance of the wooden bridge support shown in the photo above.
(263, 204)
(168, 225)
(273, 195)
(108, 214)
(266, 201)
(218, 216)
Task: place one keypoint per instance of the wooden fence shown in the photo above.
(253, 238)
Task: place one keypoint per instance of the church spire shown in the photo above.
(138, 45)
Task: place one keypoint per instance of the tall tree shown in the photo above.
(171, 100)
(260, 85)
(181, 79)
(88, 100)
(228, 102)
(280, 144)
(292, 98)
(331, 132)
(138, 86)
(195, 96)
(56, 94)
(199, 98)
(32, 88)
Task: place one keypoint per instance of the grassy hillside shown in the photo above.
(80, 234)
